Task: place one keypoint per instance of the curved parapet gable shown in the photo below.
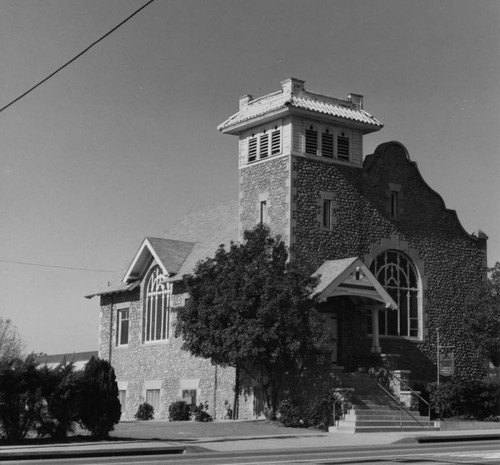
(387, 157)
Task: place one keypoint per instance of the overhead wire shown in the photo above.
(75, 57)
(15, 262)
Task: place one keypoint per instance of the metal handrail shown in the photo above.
(401, 407)
(418, 395)
(343, 393)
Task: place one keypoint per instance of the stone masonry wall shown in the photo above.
(163, 363)
(266, 180)
(452, 261)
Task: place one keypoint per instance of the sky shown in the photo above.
(124, 141)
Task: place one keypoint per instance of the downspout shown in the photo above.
(111, 310)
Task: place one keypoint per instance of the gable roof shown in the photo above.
(286, 100)
(195, 237)
(169, 254)
(351, 277)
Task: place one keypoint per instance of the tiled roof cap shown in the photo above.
(293, 95)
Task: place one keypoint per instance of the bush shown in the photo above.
(99, 407)
(316, 412)
(58, 387)
(471, 400)
(199, 413)
(179, 411)
(20, 397)
(145, 412)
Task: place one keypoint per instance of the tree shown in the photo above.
(20, 398)
(250, 308)
(482, 316)
(11, 345)
(99, 407)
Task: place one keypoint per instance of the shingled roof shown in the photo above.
(195, 237)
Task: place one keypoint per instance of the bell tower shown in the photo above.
(290, 143)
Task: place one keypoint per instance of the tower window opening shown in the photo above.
(275, 141)
(343, 146)
(327, 144)
(264, 215)
(252, 149)
(311, 141)
(394, 206)
(264, 145)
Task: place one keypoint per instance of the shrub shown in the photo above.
(99, 407)
(58, 387)
(472, 400)
(316, 412)
(290, 413)
(179, 411)
(20, 398)
(199, 413)
(145, 412)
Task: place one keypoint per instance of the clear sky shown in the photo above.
(124, 141)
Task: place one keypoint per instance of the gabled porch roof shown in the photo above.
(350, 277)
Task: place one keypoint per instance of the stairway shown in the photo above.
(373, 410)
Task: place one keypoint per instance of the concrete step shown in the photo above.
(379, 429)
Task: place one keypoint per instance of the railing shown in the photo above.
(415, 393)
(341, 392)
(402, 407)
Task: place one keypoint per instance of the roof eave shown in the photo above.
(235, 129)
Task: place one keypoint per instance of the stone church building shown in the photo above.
(396, 265)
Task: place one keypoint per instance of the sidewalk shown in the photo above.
(159, 437)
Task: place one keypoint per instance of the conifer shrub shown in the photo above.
(145, 412)
(99, 407)
(179, 411)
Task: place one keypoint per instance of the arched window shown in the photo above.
(156, 322)
(396, 273)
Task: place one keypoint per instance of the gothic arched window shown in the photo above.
(397, 274)
(156, 322)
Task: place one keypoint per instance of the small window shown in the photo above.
(327, 144)
(394, 206)
(252, 149)
(189, 396)
(311, 141)
(264, 145)
(343, 146)
(327, 213)
(122, 326)
(275, 141)
(264, 216)
(153, 399)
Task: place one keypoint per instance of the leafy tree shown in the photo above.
(20, 397)
(99, 407)
(59, 388)
(250, 308)
(482, 316)
(11, 345)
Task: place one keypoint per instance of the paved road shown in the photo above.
(477, 452)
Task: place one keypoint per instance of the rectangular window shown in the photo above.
(189, 396)
(252, 149)
(153, 399)
(122, 327)
(394, 205)
(264, 146)
(343, 147)
(264, 217)
(327, 144)
(275, 142)
(327, 214)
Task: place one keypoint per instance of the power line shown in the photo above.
(75, 57)
(55, 266)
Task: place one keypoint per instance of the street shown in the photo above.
(470, 452)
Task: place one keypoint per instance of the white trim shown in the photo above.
(140, 254)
